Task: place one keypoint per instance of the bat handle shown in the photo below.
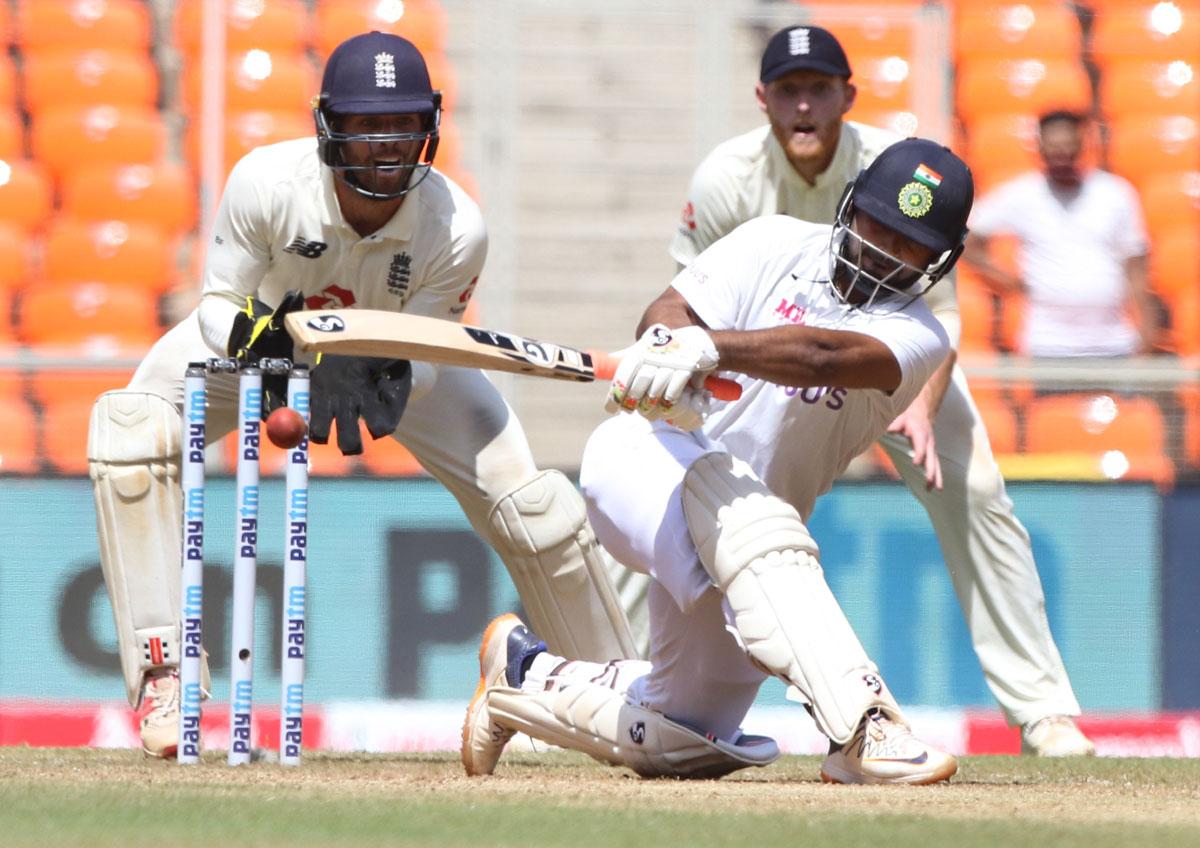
(605, 365)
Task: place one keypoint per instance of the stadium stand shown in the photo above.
(130, 253)
(55, 78)
(1041, 29)
(26, 194)
(83, 24)
(66, 138)
(90, 316)
(271, 25)
(162, 194)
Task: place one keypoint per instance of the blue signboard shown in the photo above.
(401, 588)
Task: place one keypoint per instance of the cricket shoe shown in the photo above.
(159, 714)
(506, 647)
(1055, 736)
(885, 751)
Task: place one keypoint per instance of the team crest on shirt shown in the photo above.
(399, 274)
(915, 199)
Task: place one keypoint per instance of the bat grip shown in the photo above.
(605, 365)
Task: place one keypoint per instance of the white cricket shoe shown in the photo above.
(884, 751)
(159, 711)
(1055, 736)
(506, 644)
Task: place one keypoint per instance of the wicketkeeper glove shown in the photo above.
(259, 333)
(346, 388)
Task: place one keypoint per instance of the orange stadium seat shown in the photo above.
(1144, 28)
(1175, 260)
(131, 253)
(65, 399)
(1162, 87)
(245, 131)
(12, 135)
(999, 147)
(1172, 200)
(1184, 307)
(26, 194)
(15, 263)
(18, 431)
(83, 24)
(1141, 146)
(1125, 436)
(977, 312)
(8, 82)
(67, 138)
(884, 82)
(92, 317)
(1039, 29)
(423, 22)
(278, 81)
(58, 78)
(865, 32)
(998, 419)
(271, 25)
(988, 85)
(163, 194)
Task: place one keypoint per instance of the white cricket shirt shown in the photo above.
(279, 227)
(749, 176)
(774, 271)
(1072, 253)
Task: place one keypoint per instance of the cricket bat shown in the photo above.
(397, 335)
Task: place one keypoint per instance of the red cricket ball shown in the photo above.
(285, 427)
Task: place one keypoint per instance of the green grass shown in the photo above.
(115, 798)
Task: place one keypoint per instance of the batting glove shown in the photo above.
(654, 372)
(691, 410)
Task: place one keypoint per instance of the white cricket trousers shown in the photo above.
(631, 476)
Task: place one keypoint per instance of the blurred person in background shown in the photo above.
(1082, 251)
(799, 164)
(355, 216)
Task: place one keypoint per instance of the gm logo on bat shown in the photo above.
(327, 324)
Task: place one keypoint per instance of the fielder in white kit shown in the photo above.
(354, 217)
(798, 165)
(712, 505)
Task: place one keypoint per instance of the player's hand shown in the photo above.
(691, 409)
(655, 371)
(258, 333)
(916, 424)
(346, 388)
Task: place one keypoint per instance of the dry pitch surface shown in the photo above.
(116, 798)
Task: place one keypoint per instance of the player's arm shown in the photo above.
(789, 356)
(977, 252)
(1137, 279)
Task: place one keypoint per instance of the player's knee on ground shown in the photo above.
(541, 531)
(762, 558)
(133, 459)
(600, 722)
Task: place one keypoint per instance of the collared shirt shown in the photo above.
(774, 271)
(280, 227)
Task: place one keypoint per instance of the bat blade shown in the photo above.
(398, 335)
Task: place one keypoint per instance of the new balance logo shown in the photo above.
(308, 249)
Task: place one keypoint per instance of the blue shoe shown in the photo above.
(506, 648)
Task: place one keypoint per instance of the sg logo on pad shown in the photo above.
(327, 324)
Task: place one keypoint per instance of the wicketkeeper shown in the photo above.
(357, 216)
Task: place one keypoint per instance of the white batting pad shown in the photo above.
(542, 534)
(600, 722)
(760, 555)
(133, 457)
